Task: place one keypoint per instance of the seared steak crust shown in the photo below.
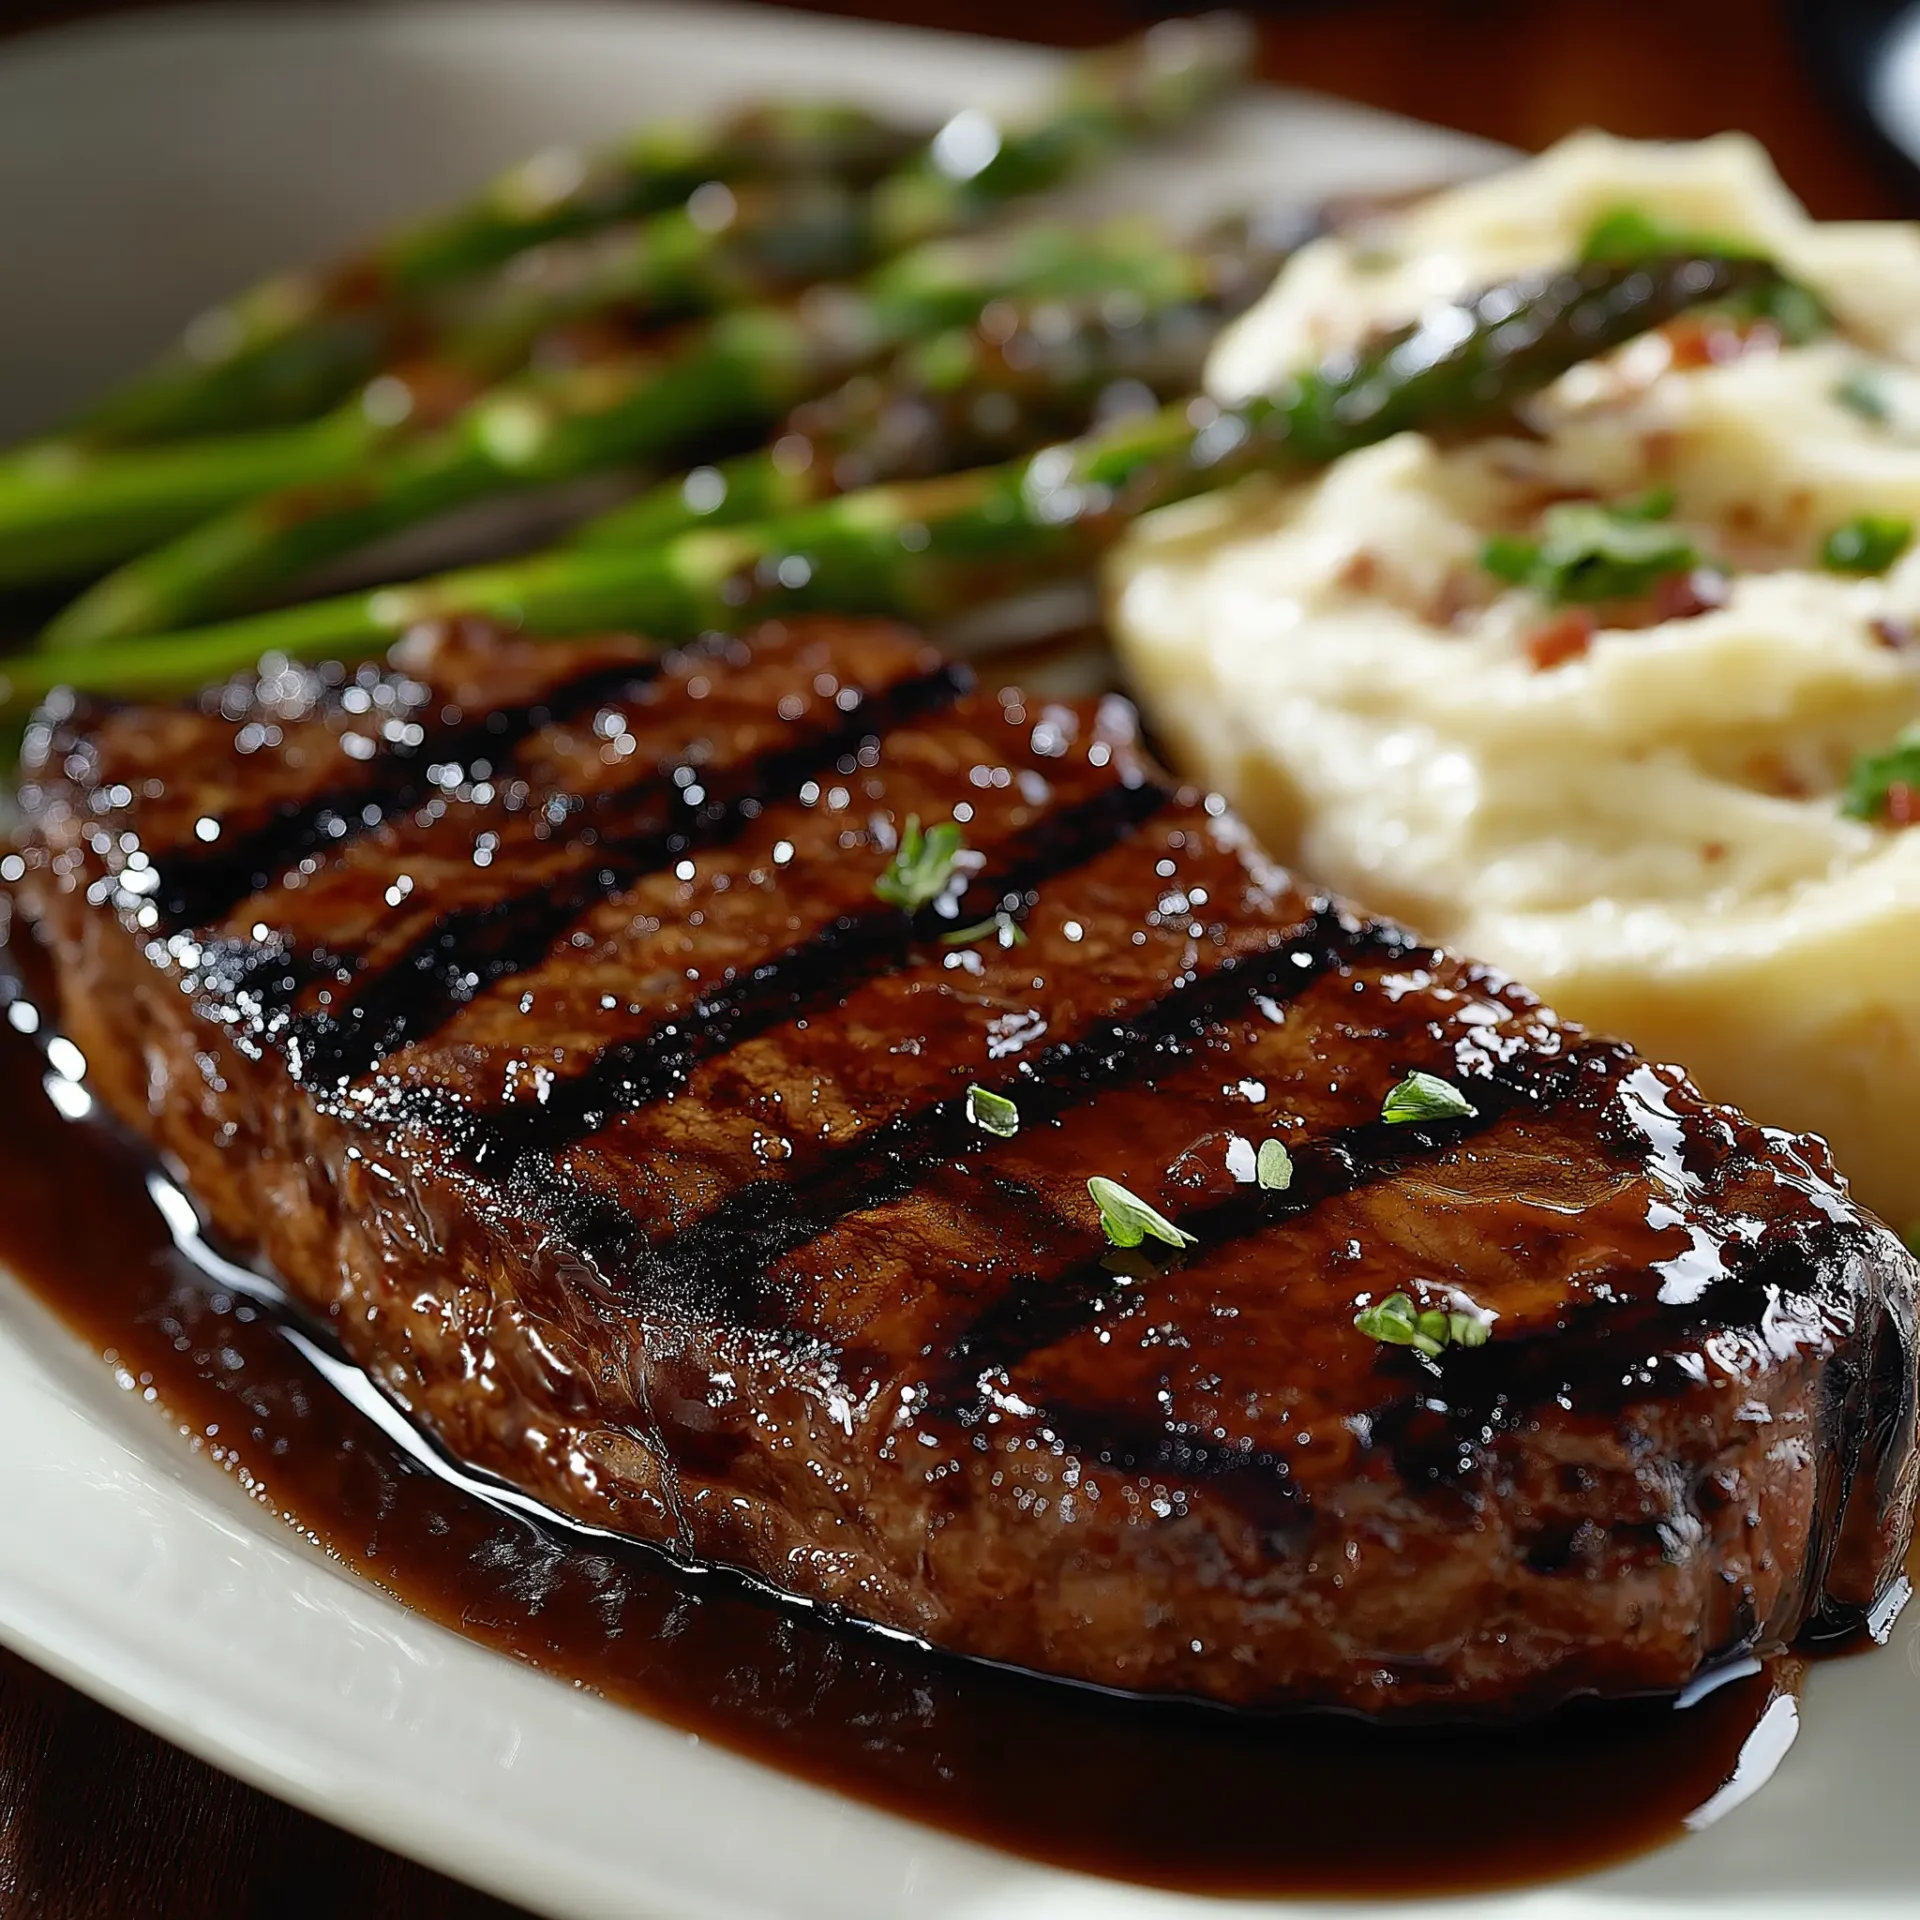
(531, 1011)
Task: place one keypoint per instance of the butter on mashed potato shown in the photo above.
(1635, 806)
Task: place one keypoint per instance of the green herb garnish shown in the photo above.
(1863, 393)
(1424, 1096)
(1657, 503)
(1589, 552)
(1625, 233)
(921, 866)
(1273, 1166)
(993, 1113)
(1009, 930)
(1128, 1219)
(1868, 543)
(1874, 777)
(1796, 313)
(1397, 1322)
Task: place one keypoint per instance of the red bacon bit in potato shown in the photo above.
(1561, 640)
(1769, 773)
(1683, 596)
(1361, 574)
(1715, 340)
(1903, 805)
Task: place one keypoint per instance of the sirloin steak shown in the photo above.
(530, 1009)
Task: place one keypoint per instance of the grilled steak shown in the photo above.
(532, 1011)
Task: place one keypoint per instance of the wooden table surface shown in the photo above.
(98, 1818)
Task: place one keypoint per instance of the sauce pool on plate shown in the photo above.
(1169, 1794)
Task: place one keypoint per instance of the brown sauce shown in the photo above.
(1173, 1795)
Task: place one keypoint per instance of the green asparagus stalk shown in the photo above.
(70, 509)
(931, 549)
(67, 511)
(977, 162)
(722, 249)
(300, 342)
(1020, 375)
(969, 170)
(739, 373)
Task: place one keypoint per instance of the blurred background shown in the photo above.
(1832, 86)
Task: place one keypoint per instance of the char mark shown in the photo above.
(470, 949)
(1043, 1307)
(200, 886)
(717, 1261)
(808, 976)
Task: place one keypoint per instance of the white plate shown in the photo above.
(148, 166)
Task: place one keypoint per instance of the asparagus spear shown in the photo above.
(967, 171)
(976, 162)
(300, 342)
(68, 509)
(739, 373)
(930, 549)
(722, 249)
(1021, 374)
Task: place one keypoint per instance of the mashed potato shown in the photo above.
(1635, 807)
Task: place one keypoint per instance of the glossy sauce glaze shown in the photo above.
(1188, 1797)
(616, 1120)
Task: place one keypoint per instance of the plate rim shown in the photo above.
(63, 1424)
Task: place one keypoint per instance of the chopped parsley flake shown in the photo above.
(1863, 393)
(921, 866)
(1002, 925)
(1877, 777)
(1591, 552)
(993, 1113)
(1868, 543)
(1397, 1322)
(1796, 313)
(1627, 232)
(1273, 1166)
(1128, 1219)
(1424, 1096)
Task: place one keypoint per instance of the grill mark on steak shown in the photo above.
(1102, 941)
(771, 922)
(806, 977)
(1174, 1046)
(753, 1224)
(472, 948)
(712, 711)
(198, 888)
(417, 894)
(308, 758)
(1055, 1305)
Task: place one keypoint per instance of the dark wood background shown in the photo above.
(98, 1818)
